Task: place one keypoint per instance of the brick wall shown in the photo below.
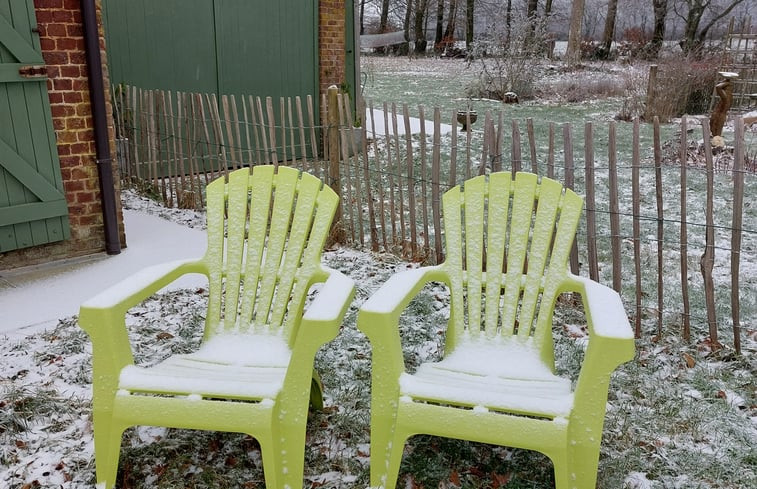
(331, 44)
(62, 41)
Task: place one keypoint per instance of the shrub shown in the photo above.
(634, 42)
(683, 86)
(510, 61)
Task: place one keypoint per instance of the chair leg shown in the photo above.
(394, 459)
(107, 448)
(577, 468)
(387, 447)
(271, 454)
(292, 455)
(562, 470)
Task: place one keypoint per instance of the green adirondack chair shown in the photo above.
(507, 248)
(253, 372)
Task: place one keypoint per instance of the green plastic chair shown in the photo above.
(253, 372)
(507, 248)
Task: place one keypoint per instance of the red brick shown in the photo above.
(50, 4)
(75, 30)
(73, 97)
(71, 71)
(62, 85)
(55, 58)
(69, 44)
(63, 16)
(54, 30)
(72, 186)
(85, 135)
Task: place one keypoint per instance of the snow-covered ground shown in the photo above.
(39, 297)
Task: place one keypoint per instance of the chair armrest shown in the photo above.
(606, 315)
(323, 317)
(378, 318)
(611, 338)
(142, 284)
(332, 300)
(103, 316)
(397, 292)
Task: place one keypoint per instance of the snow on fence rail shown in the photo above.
(675, 240)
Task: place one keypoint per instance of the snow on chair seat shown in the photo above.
(232, 366)
(493, 377)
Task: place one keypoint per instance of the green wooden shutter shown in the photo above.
(33, 209)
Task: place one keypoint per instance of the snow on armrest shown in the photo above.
(390, 295)
(155, 276)
(608, 317)
(332, 298)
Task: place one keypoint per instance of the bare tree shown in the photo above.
(573, 53)
(609, 32)
(439, 35)
(449, 31)
(384, 17)
(421, 8)
(469, 8)
(693, 11)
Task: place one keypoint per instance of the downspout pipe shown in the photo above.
(100, 125)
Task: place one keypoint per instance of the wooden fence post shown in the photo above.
(684, 236)
(651, 85)
(660, 222)
(736, 227)
(337, 228)
(707, 260)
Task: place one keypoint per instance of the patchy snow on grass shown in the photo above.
(678, 416)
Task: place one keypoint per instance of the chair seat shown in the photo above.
(234, 366)
(507, 377)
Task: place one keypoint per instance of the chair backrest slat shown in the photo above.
(266, 230)
(498, 207)
(528, 226)
(474, 198)
(300, 229)
(283, 200)
(261, 192)
(517, 245)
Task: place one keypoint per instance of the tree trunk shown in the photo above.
(609, 33)
(469, 24)
(439, 26)
(658, 36)
(420, 26)
(449, 31)
(362, 17)
(547, 8)
(406, 28)
(531, 14)
(384, 19)
(573, 54)
(689, 42)
(508, 23)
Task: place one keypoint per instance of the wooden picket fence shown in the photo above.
(640, 233)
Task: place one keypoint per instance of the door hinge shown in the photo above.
(33, 71)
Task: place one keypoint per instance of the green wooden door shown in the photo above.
(33, 208)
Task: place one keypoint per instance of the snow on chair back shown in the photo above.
(268, 247)
(508, 243)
